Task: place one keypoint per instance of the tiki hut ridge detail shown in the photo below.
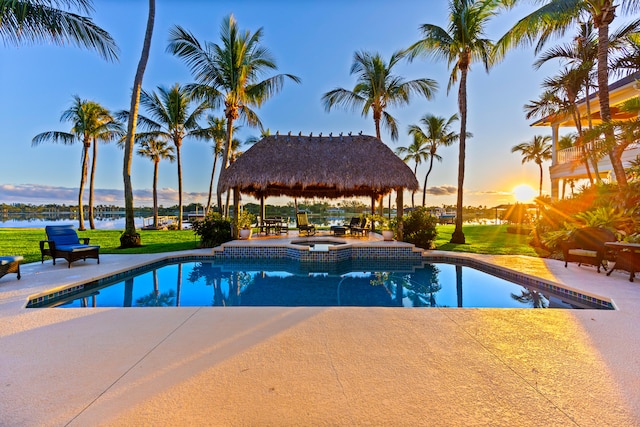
(317, 166)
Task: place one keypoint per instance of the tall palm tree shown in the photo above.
(436, 133)
(581, 55)
(416, 152)
(216, 131)
(537, 150)
(41, 21)
(90, 121)
(156, 150)
(111, 130)
(553, 19)
(171, 119)
(460, 44)
(131, 238)
(377, 90)
(230, 72)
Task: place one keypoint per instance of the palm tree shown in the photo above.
(417, 152)
(216, 131)
(377, 90)
(437, 134)
(130, 237)
(171, 120)
(40, 21)
(230, 72)
(90, 121)
(553, 19)
(460, 44)
(582, 55)
(537, 150)
(110, 130)
(156, 150)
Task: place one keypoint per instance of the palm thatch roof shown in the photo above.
(318, 166)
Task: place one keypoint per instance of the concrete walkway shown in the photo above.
(319, 366)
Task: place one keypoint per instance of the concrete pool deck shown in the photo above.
(319, 366)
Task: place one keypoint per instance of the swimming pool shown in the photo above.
(287, 283)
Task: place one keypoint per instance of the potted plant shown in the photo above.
(383, 223)
(245, 220)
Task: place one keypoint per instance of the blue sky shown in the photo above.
(314, 40)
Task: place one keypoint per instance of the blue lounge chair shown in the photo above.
(63, 242)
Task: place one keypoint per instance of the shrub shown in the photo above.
(213, 230)
(419, 228)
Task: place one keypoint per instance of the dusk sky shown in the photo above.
(314, 40)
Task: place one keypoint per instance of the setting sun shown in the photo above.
(524, 193)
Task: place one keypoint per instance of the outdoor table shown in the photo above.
(272, 225)
(627, 257)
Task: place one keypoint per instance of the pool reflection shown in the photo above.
(291, 285)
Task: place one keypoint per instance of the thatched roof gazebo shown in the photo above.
(319, 166)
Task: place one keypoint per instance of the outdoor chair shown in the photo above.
(362, 229)
(63, 242)
(10, 264)
(304, 227)
(587, 246)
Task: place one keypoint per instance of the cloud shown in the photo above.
(43, 194)
(442, 190)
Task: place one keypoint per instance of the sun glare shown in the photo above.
(524, 193)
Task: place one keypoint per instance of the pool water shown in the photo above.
(234, 284)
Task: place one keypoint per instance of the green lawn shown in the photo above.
(486, 239)
(26, 241)
(481, 239)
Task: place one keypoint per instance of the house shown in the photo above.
(564, 163)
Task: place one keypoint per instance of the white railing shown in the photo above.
(575, 154)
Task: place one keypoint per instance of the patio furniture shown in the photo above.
(627, 257)
(304, 227)
(362, 229)
(63, 242)
(587, 246)
(10, 264)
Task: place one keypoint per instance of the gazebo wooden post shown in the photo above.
(374, 199)
(262, 212)
(236, 212)
(400, 211)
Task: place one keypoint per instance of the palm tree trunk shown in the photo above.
(227, 148)
(615, 154)
(458, 235)
(424, 190)
(83, 180)
(130, 237)
(540, 187)
(156, 162)
(213, 174)
(91, 181)
(178, 144)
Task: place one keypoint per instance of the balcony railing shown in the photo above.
(575, 154)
